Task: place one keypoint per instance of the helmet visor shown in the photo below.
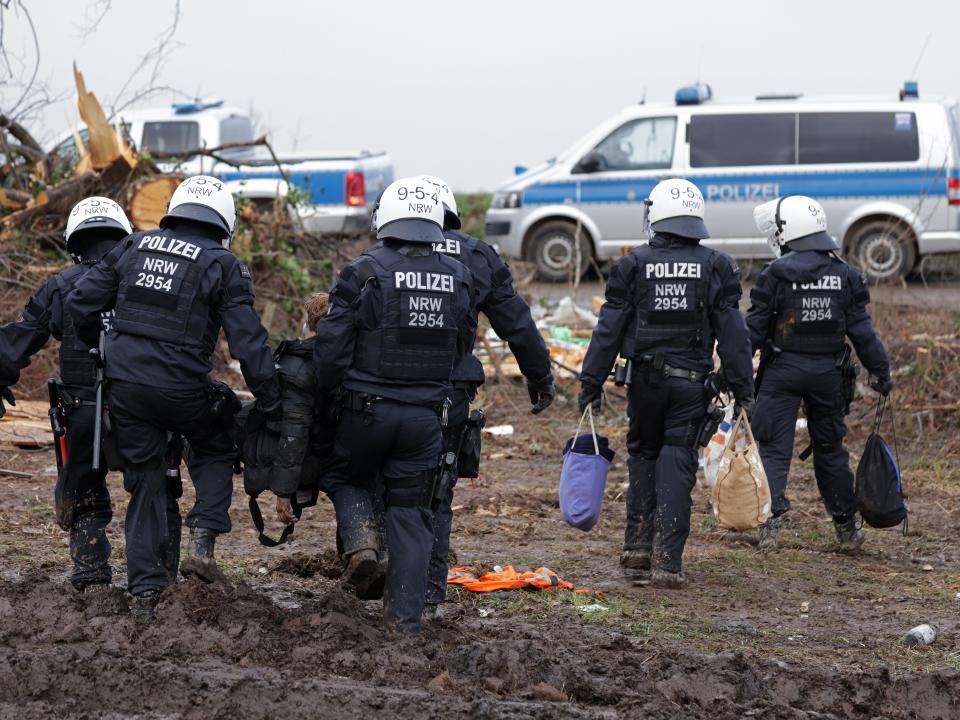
(411, 230)
(765, 218)
(686, 226)
(198, 213)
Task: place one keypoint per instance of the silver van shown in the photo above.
(886, 171)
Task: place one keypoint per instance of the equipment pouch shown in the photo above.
(111, 443)
(849, 369)
(468, 459)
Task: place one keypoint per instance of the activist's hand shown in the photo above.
(285, 510)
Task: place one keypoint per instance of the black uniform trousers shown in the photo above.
(398, 445)
(459, 411)
(664, 412)
(143, 416)
(814, 380)
(82, 500)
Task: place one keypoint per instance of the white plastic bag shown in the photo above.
(710, 455)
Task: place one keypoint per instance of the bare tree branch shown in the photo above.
(152, 61)
(93, 15)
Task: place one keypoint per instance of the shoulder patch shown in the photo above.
(244, 271)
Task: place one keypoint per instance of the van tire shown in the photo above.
(885, 249)
(553, 249)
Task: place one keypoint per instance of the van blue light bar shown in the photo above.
(693, 94)
(196, 106)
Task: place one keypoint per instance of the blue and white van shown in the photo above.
(887, 172)
(339, 188)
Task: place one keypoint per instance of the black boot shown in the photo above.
(363, 575)
(200, 562)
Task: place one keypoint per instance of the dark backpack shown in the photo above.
(881, 498)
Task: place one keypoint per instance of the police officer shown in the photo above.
(399, 323)
(667, 302)
(510, 318)
(802, 308)
(173, 289)
(81, 499)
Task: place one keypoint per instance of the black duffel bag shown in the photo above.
(881, 496)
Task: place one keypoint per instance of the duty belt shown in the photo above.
(363, 403)
(668, 371)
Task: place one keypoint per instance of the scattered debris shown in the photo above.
(921, 635)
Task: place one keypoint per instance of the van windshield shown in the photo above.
(175, 136)
(644, 144)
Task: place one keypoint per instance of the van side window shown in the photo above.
(173, 136)
(858, 137)
(645, 144)
(744, 139)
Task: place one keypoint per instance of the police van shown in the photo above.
(886, 171)
(339, 188)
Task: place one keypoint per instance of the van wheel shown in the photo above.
(554, 250)
(884, 250)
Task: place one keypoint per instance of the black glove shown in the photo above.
(5, 394)
(881, 385)
(542, 393)
(745, 405)
(591, 395)
(272, 412)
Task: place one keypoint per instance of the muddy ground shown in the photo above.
(799, 633)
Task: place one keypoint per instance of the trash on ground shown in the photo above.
(595, 607)
(499, 430)
(921, 635)
(506, 578)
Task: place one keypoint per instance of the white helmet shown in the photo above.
(410, 209)
(451, 213)
(676, 206)
(203, 199)
(796, 220)
(98, 214)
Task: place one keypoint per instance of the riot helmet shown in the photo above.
(796, 222)
(410, 209)
(94, 219)
(204, 199)
(676, 206)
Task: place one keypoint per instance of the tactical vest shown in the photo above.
(671, 299)
(811, 316)
(159, 293)
(76, 366)
(416, 338)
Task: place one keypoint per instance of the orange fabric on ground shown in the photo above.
(506, 579)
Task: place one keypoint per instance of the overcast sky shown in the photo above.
(466, 90)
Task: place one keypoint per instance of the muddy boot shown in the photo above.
(200, 562)
(636, 563)
(849, 536)
(144, 606)
(667, 579)
(432, 612)
(95, 588)
(770, 531)
(364, 575)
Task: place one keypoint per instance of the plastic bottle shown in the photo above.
(921, 635)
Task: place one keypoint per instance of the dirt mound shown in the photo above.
(326, 564)
(229, 651)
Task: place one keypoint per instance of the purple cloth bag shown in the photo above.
(586, 460)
